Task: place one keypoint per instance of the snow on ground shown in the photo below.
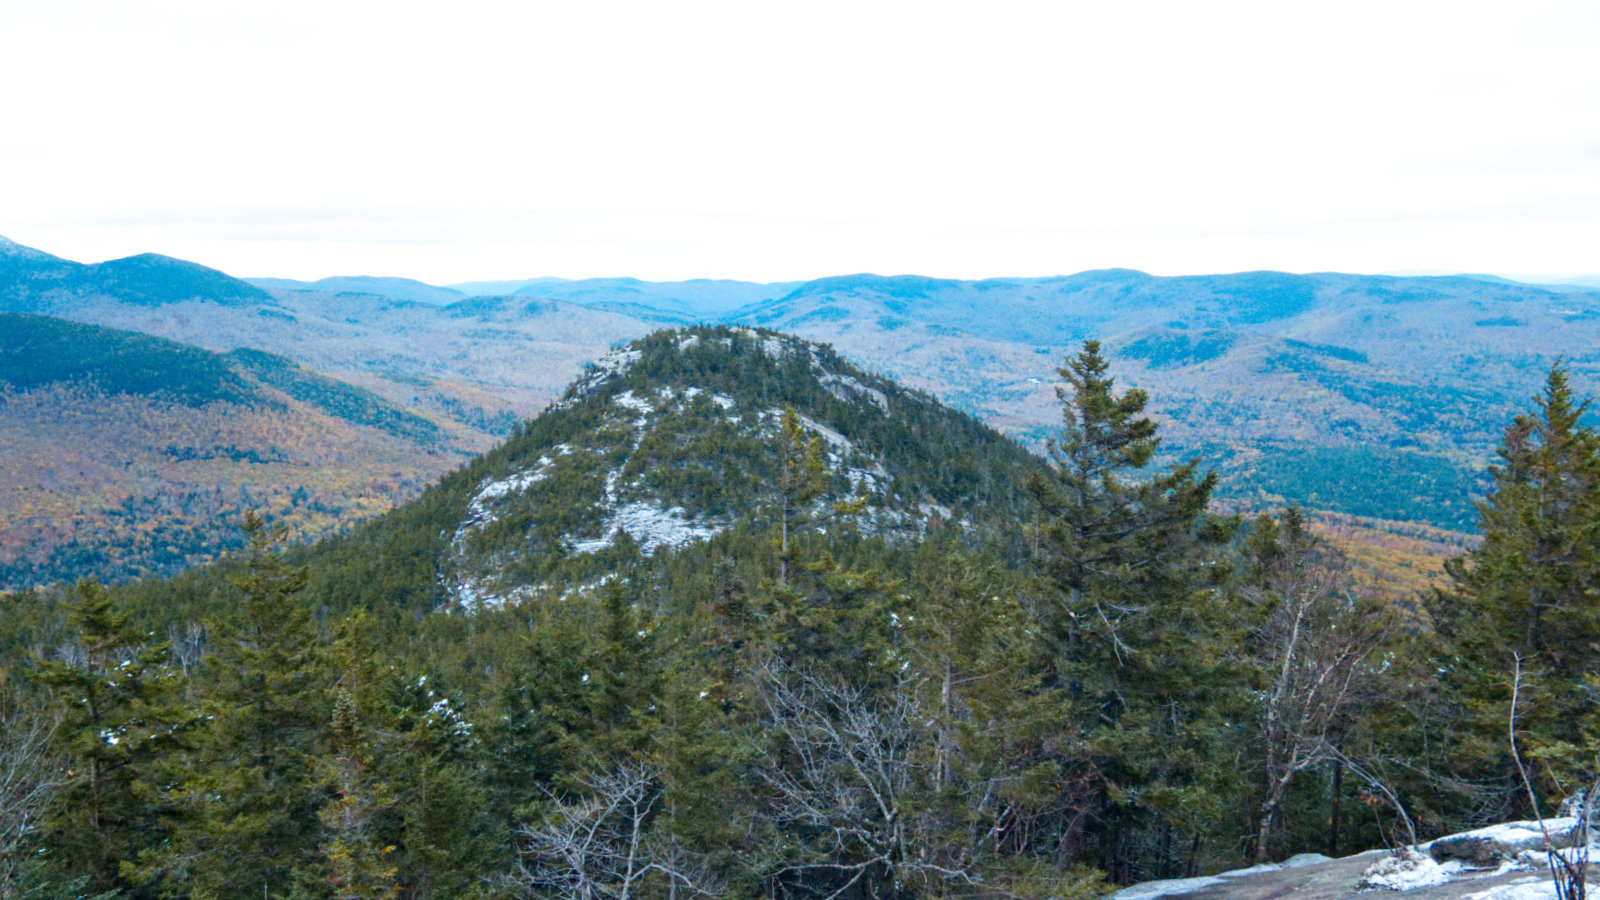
(1177, 887)
(651, 527)
(643, 407)
(1528, 889)
(1408, 871)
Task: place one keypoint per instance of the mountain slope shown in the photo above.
(127, 455)
(667, 444)
(1400, 385)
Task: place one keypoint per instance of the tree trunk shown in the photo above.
(1333, 809)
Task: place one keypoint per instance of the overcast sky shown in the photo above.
(456, 141)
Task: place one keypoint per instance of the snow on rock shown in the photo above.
(847, 389)
(722, 401)
(1407, 871)
(1526, 889)
(478, 513)
(836, 441)
(1177, 887)
(637, 404)
(605, 368)
(651, 527)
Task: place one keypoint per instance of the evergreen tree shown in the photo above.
(251, 805)
(359, 866)
(1531, 589)
(1131, 627)
(803, 481)
(120, 718)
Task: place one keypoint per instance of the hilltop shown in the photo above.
(668, 444)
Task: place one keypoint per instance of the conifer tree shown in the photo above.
(359, 866)
(802, 481)
(1130, 628)
(120, 717)
(251, 805)
(1531, 589)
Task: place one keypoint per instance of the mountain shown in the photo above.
(34, 281)
(673, 443)
(127, 455)
(391, 288)
(1379, 397)
(1371, 395)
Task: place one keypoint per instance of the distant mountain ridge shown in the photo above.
(392, 288)
(1376, 396)
(34, 281)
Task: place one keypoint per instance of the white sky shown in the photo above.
(456, 141)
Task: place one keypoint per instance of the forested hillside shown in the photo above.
(1368, 396)
(876, 650)
(126, 455)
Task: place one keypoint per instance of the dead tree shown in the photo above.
(596, 845)
(27, 784)
(854, 774)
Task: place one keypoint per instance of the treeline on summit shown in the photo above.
(1101, 682)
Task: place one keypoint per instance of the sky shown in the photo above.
(768, 141)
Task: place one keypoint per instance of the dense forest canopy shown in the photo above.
(734, 618)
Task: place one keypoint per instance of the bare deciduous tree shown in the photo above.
(1568, 870)
(856, 774)
(27, 783)
(597, 846)
(189, 646)
(1315, 645)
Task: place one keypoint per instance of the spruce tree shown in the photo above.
(1531, 589)
(120, 719)
(251, 805)
(1129, 628)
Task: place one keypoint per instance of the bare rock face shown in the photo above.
(1476, 852)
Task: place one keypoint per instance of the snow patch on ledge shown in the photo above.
(602, 370)
(651, 527)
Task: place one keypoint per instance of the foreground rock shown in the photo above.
(1502, 862)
